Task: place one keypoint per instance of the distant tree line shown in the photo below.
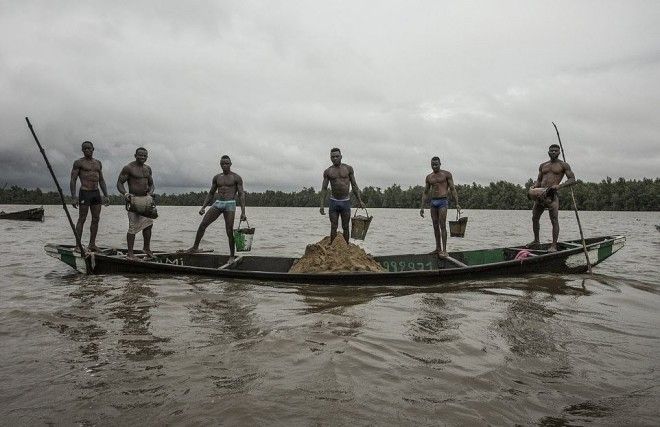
(607, 195)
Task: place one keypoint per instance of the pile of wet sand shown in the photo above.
(326, 257)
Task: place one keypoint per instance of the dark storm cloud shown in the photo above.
(277, 86)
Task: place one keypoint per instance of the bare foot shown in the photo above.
(92, 248)
(443, 254)
(552, 248)
(132, 257)
(148, 253)
(434, 252)
(532, 243)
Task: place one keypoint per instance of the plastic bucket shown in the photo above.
(360, 225)
(457, 228)
(243, 237)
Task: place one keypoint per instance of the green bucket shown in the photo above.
(243, 237)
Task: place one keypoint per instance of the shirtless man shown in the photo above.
(438, 184)
(227, 184)
(550, 175)
(342, 179)
(140, 184)
(89, 170)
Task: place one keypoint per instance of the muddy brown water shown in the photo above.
(540, 349)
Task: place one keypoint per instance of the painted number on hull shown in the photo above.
(406, 265)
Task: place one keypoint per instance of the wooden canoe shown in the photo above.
(34, 214)
(407, 269)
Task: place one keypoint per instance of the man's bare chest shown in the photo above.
(225, 181)
(89, 166)
(553, 168)
(437, 179)
(338, 173)
(140, 172)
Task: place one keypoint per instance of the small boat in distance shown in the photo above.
(34, 214)
(407, 269)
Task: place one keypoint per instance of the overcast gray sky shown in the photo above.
(276, 84)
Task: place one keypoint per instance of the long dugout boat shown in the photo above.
(34, 214)
(407, 269)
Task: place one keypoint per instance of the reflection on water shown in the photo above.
(133, 307)
(535, 350)
(227, 314)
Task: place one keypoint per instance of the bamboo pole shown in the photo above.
(577, 216)
(59, 189)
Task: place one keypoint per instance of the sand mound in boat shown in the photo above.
(326, 257)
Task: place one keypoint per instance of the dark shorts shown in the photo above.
(90, 197)
(339, 205)
(440, 202)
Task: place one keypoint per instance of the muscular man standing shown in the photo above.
(140, 188)
(89, 170)
(342, 179)
(227, 184)
(550, 175)
(438, 184)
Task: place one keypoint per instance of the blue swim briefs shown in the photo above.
(440, 202)
(225, 205)
(340, 205)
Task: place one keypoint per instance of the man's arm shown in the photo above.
(427, 187)
(75, 171)
(539, 178)
(209, 196)
(123, 177)
(241, 196)
(324, 192)
(450, 182)
(104, 189)
(569, 175)
(150, 182)
(354, 186)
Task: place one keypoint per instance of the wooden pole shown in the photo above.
(59, 189)
(577, 216)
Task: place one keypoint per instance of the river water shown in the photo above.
(546, 350)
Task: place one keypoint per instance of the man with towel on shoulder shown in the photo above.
(544, 192)
(438, 184)
(341, 178)
(140, 195)
(228, 185)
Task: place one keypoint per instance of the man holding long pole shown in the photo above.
(545, 190)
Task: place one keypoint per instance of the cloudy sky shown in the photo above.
(276, 84)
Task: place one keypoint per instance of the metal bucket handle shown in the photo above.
(365, 209)
(240, 221)
(458, 214)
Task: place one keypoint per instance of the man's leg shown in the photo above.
(553, 211)
(130, 241)
(345, 220)
(229, 228)
(211, 215)
(82, 217)
(442, 219)
(334, 222)
(146, 236)
(436, 228)
(537, 210)
(94, 226)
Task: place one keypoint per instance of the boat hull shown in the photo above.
(35, 214)
(407, 269)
